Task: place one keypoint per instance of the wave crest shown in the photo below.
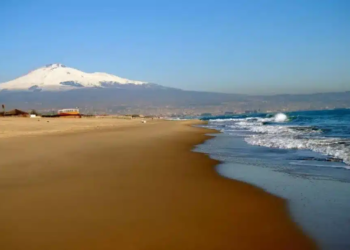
(282, 132)
(281, 117)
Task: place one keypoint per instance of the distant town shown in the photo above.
(144, 112)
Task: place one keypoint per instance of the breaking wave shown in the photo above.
(330, 138)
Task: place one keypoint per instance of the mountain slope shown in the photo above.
(57, 77)
(161, 100)
(41, 89)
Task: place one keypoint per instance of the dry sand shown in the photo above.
(19, 126)
(138, 186)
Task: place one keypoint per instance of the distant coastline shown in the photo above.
(102, 92)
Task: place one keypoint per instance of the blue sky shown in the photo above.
(254, 47)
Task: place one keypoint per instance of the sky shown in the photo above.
(250, 47)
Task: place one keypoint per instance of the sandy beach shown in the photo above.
(18, 126)
(128, 185)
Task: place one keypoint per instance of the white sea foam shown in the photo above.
(285, 136)
(280, 117)
(327, 146)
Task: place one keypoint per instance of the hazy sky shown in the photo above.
(247, 46)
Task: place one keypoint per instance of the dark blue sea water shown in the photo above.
(303, 157)
(324, 132)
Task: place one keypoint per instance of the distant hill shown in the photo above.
(141, 99)
(52, 87)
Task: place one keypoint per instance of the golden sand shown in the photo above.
(133, 186)
(19, 126)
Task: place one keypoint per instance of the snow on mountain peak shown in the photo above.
(55, 65)
(56, 77)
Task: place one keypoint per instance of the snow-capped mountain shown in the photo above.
(57, 77)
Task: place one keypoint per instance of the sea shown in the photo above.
(303, 157)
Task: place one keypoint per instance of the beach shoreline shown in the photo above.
(132, 187)
(316, 194)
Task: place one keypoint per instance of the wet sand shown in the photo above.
(135, 186)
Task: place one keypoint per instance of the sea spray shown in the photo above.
(280, 117)
(324, 132)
